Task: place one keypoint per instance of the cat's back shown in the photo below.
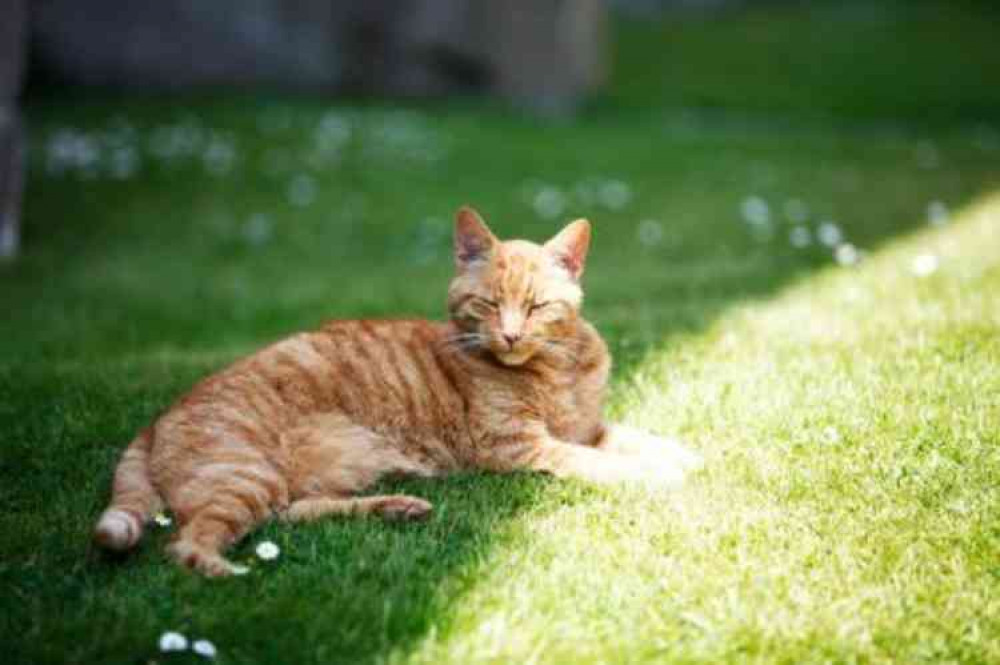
(383, 374)
(386, 374)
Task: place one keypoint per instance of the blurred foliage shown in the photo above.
(925, 60)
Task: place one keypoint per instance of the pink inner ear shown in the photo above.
(571, 263)
(473, 240)
(472, 244)
(470, 249)
(570, 246)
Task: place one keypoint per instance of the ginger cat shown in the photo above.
(515, 380)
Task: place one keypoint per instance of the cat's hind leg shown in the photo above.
(221, 503)
(331, 459)
(397, 507)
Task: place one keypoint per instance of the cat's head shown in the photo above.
(514, 298)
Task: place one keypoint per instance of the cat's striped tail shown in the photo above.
(133, 499)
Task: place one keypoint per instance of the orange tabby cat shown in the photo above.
(514, 381)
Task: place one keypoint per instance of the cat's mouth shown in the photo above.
(514, 357)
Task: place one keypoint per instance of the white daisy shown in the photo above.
(268, 551)
(171, 641)
(847, 254)
(755, 211)
(800, 237)
(162, 519)
(829, 234)
(204, 648)
(549, 202)
(924, 265)
(614, 194)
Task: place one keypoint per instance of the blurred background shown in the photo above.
(239, 162)
(796, 211)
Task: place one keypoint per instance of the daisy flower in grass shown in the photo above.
(924, 265)
(268, 551)
(162, 519)
(204, 648)
(846, 254)
(173, 641)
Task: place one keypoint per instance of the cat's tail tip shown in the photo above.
(133, 500)
(118, 530)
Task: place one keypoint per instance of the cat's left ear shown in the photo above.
(474, 242)
(569, 247)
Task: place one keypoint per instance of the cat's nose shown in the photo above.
(511, 339)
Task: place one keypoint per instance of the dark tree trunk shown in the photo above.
(13, 43)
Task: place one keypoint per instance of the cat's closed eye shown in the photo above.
(485, 306)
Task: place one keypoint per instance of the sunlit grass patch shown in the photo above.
(849, 503)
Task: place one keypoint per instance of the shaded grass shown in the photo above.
(926, 60)
(848, 508)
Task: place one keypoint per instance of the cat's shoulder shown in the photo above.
(406, 331)
(403, 325)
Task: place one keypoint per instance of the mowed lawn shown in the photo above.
(799, 276)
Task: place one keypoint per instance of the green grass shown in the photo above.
(912, 58)
(849, 416)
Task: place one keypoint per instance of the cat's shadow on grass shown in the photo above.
(362, 588)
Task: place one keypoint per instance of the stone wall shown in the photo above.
(543, 54)
(13, 35)
(653, 7)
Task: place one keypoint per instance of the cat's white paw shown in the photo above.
(664, 473)
(684, 457)
(117, 530)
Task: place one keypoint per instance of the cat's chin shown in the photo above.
(513, 358)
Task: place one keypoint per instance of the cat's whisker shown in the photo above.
(559, 350)
(462, 338)
(562, 355)
(458, 351)
(562, 341)
(462, 342)
(462, 346)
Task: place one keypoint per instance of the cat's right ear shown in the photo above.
(474, 242)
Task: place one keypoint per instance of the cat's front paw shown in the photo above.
(667, 462)
(663, 474)
(652, 473)
(674, 452)
(613, 469)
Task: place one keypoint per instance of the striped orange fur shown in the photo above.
(515, 380)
